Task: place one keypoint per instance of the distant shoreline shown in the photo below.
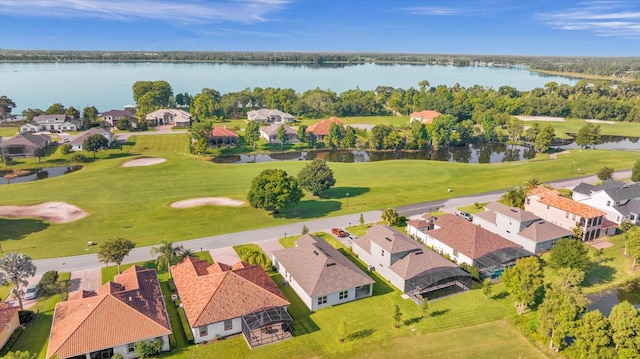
(578, 75)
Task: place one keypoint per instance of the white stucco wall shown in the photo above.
(216, 329)
(442, 248)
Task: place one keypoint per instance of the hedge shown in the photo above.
(185, 325)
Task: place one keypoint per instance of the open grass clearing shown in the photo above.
(134, 203)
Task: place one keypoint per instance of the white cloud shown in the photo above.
(237, 11)
(603, 18)
(432, 11)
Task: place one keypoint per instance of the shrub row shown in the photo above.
(185, 325)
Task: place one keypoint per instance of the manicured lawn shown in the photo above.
(8, 131)
(473, 208)
(629, 129)
(35, 337)
(133, 202)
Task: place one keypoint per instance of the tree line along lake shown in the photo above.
(108, 85)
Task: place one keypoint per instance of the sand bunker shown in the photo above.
(540, 118)
(207, 201)
(56, 212)
(143, 162)
(600, 121)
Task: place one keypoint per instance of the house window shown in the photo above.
(131, 347)
(566, 215)
(608, 203)
(322, 300)
(574, 217)
(548, 206)
(203, 331)
(455, 253)
(528, 201)
(383, 252)
(228, 324)
(344, 294)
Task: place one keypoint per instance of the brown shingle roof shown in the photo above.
(322, 128)
(467, 238)
(554, 199)
(223, 292)
(319, 268)
(388, 239)
(518, 214)
(137, 313)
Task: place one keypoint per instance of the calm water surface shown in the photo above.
(38, 174)
(108, 85)
(604, 301)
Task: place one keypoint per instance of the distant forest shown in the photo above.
(620, 67)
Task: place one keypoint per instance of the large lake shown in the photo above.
(108, 85)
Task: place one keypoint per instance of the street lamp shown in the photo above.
(347, 199)
(572, 164)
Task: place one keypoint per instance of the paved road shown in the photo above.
(89, 261)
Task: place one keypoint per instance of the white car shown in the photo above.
(32, 291)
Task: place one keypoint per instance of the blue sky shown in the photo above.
(517, 27)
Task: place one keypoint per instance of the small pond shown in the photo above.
(17, 176)
(604, 301)
(612, 143)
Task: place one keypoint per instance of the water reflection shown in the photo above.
(606, 300)
(17, 176)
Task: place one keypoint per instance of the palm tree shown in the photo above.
(17, 267)
(514, 197)
(166, 255)
(532, 182)
(184, 253)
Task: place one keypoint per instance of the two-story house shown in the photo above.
(411, 267)
(521, 227)
(271, 116)
(565, 212)
(620, 200)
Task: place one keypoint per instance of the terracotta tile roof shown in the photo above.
(7, 313)
(319, 268)
(322, 128)
(426, 116)
(223, 132)
(467, 238)
(136, 313)
(388, 239)
(554, 199)
(219, 294)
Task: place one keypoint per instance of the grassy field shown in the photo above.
(133, 202)
(611, 128)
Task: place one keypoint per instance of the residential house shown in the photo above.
(9, 321)
(265, 115)
(320, 129)
(320, 275)
(411, 267)
(567, 213)
(112, 117)
(54, 123)
(78, 141)
(521, 227)
(620, 200)
(465, 242)
(177, 118)
(426, 116)
(221, 300)
(112, 320)
(223, 136)
(270, 133)
(25, 144)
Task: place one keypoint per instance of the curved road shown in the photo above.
(89, 261)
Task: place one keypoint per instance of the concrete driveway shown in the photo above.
(224, 255)
(89, 279)
(269, 246)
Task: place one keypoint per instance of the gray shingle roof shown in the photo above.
(542, 231)
(319, 268)
(518, 214)
(388, 239)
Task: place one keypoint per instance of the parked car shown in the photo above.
(465, 215)
(339, 232)
(32, 291)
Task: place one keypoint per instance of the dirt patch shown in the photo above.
(601, 244)
(540, 118)
(55, 212)
(143, 162)
(554, 156)
(600, 121)
(207, 201)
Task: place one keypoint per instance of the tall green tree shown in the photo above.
(515, 127)
(16, 268)
(561, 307)
(635, 172)
(589, 135)
(544, 138)
(72, 112)
(350, 138)
(282, 136)
(89, 116)
(273, 190)
(335, 135)
(523, 281)
(632, 245)
(593, 337)
(303, 136)
(316, 177)
(199, 134)
(397, 315)
(625, 323)
(6, 106)
(166, 254)
(605, 173)
(39, 152)
(252, 133)
(569, 253)
(114, 251)
(55, 109)
(95, 143)
(390, 216)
